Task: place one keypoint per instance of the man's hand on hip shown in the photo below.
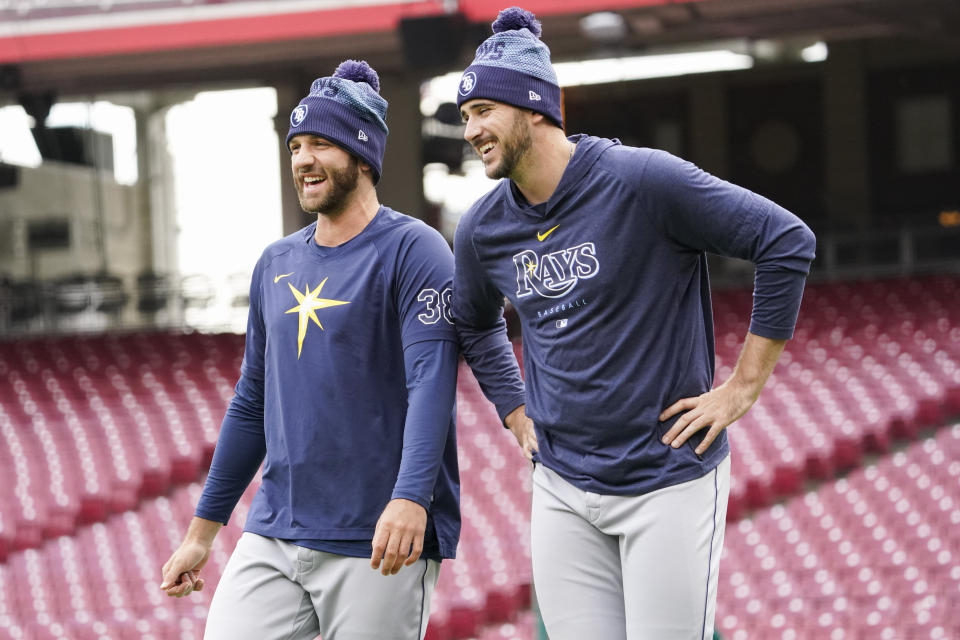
(718, 408)
(522, 429)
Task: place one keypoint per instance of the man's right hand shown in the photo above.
(181, 573)
(522, 429)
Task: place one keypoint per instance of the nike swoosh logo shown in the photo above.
(543, 236)
(276, 279)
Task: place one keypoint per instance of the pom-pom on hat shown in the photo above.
(346, 109)
(513, 66)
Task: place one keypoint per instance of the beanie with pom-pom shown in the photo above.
(513, 66)
(348, 110)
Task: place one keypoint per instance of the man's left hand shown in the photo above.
(719, 408)
(716, 410)
(522, 429)
(398, 540)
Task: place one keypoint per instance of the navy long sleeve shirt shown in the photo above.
(346, 391)
(609, 279)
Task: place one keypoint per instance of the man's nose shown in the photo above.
(471, 131)
(300, 159)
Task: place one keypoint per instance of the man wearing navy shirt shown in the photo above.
(601, 249)
(346, 395)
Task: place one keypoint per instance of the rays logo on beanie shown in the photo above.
(513, 66)
(348, 110)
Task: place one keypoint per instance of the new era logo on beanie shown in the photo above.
(348, 110)
(513, 66)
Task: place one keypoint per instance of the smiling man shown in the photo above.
(601, 249)
(346, 394)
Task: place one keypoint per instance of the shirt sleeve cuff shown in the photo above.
(405, 495)
(773, 333)
(505, 408)
(213, 517)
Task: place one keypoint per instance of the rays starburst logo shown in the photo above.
(308, 303)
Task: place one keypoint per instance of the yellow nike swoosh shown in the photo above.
(543, 236)
(276, 279)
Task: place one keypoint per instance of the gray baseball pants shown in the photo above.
(275, 590)
(628, 567)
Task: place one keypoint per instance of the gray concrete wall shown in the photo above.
(87, 200)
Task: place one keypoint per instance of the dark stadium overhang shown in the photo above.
(48, 32)
(83, 49)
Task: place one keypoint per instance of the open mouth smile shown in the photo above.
(485, 148)
(312, 182)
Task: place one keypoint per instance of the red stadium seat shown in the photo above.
(463, 621)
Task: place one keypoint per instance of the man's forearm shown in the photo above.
(431, 375)
(490, 356)
(240, 450)
(757, 359)
(202, 531)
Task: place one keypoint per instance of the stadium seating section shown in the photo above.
(875, 554)
(843, 516)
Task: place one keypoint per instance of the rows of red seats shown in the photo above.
(104, 581)
(481, 592)
(870, 364)
(873, 555)
(93, 425)
(487, 585)
(101, 431)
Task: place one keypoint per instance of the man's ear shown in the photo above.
(366, 170)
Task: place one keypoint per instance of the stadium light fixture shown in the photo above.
(598, 71)
(817, 52)
(649, 66)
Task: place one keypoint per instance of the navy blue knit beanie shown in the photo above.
(346, 109)
(513, 66)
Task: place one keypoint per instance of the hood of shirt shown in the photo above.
(588, 151)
